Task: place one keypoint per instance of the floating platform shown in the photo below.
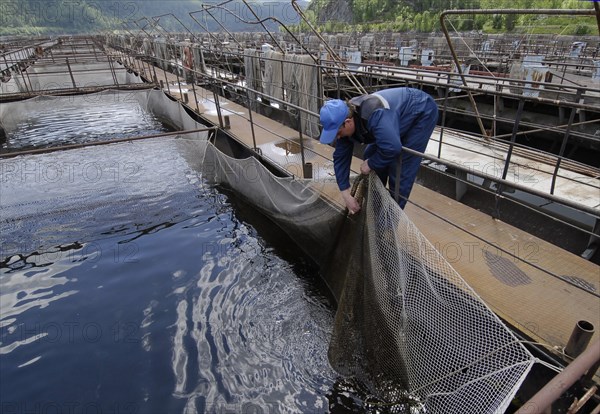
(537, 287)
(540, 289)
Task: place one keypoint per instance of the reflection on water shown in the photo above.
(80, 119)
(148, 293)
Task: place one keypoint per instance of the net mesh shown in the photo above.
(295, 205)
(410, 328)
(407, 327)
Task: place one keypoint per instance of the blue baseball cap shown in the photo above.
(332, 114)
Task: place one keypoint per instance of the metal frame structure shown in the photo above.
(337, 70)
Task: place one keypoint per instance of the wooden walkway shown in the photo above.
(528, 282)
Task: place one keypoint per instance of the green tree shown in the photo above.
(510, 22)
(497, 21)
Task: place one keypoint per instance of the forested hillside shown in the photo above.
(35, 17)
(423, 16)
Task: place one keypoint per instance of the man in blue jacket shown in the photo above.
(386, 121)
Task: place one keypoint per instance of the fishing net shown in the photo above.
(407, 327)
(410, 328)
(297, 206)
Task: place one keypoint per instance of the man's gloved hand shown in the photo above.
(351, 203)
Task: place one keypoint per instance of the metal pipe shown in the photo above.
(512, 139)
(580, 338)
(218, 104)
(171, 14)
(231, 36)
(250, 105)
(579, 403)
(461, 74)
(26, 72)
(355, 82)
(561, 382)
(589, 210)
(398, 175)
(302, 158)
(588, 377)
(197, 110)
(264, 27)
(446, 91)
(165, 73)
(71, 74)
(112, 71)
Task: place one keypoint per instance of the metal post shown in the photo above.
(112, 71)
(580, 338)
(74, 54)
(564, 142)
(28, 89)
(28, 79)
(593, 242)
(513, 138)
(155, 80)
(71, 73)
(398, 175)
(337, 83)
(177, 74)
(93, 48)
(218, 105)
(443, 118)
(251, 121)
(320, 87)
(302, 160)
(8, 67)
(166, 80)
(509, 155)
(194, 90)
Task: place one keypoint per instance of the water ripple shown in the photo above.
(151, 291)
(250, 300)
(78, 120)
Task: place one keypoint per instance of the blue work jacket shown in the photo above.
(381, 120)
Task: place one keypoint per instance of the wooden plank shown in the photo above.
(520, 287)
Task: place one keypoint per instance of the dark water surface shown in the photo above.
(129, 285)
(55, 121)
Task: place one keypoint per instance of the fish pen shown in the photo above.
(464, 302)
